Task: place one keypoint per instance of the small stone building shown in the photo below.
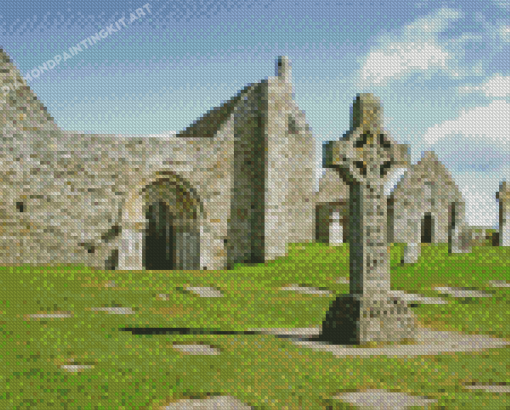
(426, 206)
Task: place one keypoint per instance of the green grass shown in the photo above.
(143, 372)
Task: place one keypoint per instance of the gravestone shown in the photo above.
(503, 197)
(459, 233)
(364, 157)
(336, 231)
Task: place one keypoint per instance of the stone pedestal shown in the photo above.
(412, 253)
(356, 319)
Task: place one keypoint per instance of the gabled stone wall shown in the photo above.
(244, 170)
(426, 190)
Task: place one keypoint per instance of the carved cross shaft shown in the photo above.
(364, 158)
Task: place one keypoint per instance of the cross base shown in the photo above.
(357, 319)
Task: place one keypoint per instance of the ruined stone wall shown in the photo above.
(63, 194)
(245, 231)
(300, 179)
(247, 166)
(426, 188)
(290, 176)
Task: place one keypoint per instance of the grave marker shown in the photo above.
(503, 197)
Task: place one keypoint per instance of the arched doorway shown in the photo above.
(159, 247)
(161, 226)
(427, 228)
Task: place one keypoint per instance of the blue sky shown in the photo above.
(441, 69)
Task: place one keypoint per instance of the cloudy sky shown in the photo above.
(441, 69)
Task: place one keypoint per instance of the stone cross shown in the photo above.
(503, 197)
(363, 158)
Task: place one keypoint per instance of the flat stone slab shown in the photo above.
(204, 291)
(210, 403)
(115, 310)
(428, 342)
(379, 399)
(413, 297)
(55, 315)
(408, 297)
(462, 292)
(500, 283)
(307, 290)
(503, 388)
(197, 349)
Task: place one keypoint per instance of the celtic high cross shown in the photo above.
(364, 157)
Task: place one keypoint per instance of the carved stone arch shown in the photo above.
(167, 198)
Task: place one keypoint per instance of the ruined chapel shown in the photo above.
(236, 186)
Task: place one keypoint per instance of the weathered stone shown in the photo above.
(335, 229)
(237, 185)
(412, 253)
(426, 206)
(503, 197)
(363, 157)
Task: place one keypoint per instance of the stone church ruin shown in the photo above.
(236, 186)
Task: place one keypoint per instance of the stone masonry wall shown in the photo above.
(425, 188)
(60, 191)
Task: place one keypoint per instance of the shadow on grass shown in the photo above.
(319, 339)
(184, 331)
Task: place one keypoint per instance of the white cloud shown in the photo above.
(431, 25)
(401, 59)
(497, 86)
(491, 122)
(504, 33)
(481, 209)
(415, 49)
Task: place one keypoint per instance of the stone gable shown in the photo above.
(425, 193)
(246, 169)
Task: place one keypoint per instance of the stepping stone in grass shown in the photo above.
(491, 388)
(424, 300)
(197, 349)
(205, 291)
(210, 403)
(462, 292)
(55, 315)
(383, 400)
(307, 290)
(500, 283)
(116, 310)
(428, 342)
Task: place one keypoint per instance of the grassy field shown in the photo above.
(142, 371)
